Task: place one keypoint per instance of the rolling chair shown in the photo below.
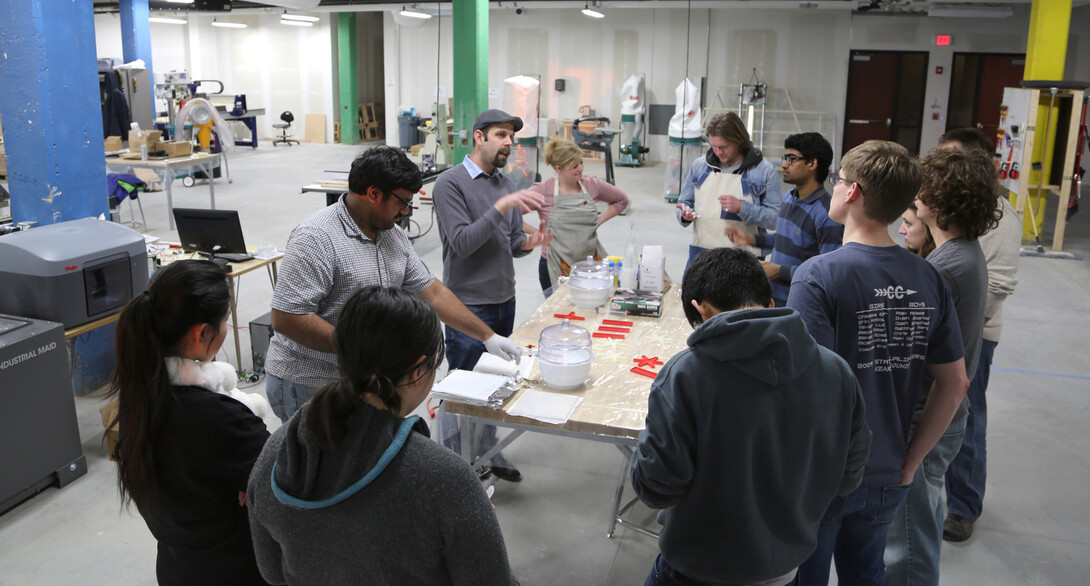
(284, 136)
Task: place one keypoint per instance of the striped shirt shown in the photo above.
(803, 230)
(327, 260)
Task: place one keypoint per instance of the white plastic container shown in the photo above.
(565, 356)
(590, 284)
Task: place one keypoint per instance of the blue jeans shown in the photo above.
(286, 397)
(663, 574)
(694, 251)
(463, 353)
(915, 537)
(967, 473)
(854, 529)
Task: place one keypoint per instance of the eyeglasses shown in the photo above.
(790, 159)
(837, 179)
(405, 203)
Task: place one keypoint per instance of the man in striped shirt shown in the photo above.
(803, 228)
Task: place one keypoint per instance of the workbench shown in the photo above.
(614, 404)
(170, 169)
(249, 119)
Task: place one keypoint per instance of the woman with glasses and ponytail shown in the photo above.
(185, 447)
(351, 490)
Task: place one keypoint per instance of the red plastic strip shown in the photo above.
(618, 322)
(645, 361)
(603, 335)
(571, 316)
(613, 329)
(647, 373)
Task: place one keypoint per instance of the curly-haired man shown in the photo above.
(957, 200)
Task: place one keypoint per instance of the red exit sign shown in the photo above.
(942, 40)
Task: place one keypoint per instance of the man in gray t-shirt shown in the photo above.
(957, 201)
(336, 252)
(480, 225)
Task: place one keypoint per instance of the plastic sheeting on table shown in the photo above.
(614, 398)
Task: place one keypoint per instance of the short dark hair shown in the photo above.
(960, 187)
(385, 168)
(888, 176)
(970, 138)
(380, 334)
(725, 278)
(813, 146)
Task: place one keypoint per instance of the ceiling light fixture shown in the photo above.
(296, 22)
(591, 12)
(163, 20)
(226, 24)
(179, 1)
(299, 17)
(414, 12)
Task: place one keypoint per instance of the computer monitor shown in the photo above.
(203, 230)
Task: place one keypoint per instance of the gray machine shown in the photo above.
(39, 433)
(71, 272)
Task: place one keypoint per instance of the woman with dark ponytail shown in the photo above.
(351, 490)
(184, 451)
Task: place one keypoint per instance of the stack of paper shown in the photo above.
(492, 364)
(547, 407)
(475, 388)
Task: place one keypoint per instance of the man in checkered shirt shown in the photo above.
(339, 250)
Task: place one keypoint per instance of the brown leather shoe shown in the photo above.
(957, 528)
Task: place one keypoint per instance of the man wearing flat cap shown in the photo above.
(480, 226)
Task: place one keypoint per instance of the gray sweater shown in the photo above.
(479, 243)
(389, 507)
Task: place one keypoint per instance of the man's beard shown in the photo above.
(500, 160)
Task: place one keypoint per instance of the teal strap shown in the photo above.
(388, 456)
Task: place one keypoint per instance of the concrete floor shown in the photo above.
(1035, 528)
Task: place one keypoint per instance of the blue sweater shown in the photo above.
(803, 230)
(750, 433)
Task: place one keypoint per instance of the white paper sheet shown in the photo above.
(547, 407)
(469, 387)
(492, 364)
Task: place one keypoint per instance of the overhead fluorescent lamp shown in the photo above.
(587, 10)
(296, 22)
(414, 13)
(299, 17)
(226, 24)
(951, 11)
(162, 20)
(180, 1)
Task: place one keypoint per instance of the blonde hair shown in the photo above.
(887, 175)
(562, 153)
(729, 127)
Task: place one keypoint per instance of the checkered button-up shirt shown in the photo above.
(327, 260)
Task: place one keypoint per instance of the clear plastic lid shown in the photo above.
(591, 274)
(564, 344)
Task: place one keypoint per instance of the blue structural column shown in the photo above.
(52, 117)
(136, 36)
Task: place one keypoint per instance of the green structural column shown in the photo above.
(349, 79)
(1046, 51)
(470, 70)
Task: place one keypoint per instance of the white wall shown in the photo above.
(278, 67)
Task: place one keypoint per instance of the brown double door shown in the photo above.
(885, 98)
(976, 88)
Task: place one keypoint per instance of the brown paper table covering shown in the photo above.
(614, 398)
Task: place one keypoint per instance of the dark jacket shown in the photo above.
(750, 433)
(115, 110)
(206, 448)
(389, 507)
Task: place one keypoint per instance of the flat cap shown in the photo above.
(494, 116)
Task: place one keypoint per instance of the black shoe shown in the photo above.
(484, 473)
(957, 528)
(509, 474)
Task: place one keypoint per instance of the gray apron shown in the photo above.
(574, 226)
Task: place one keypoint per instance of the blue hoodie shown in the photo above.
(750, 433)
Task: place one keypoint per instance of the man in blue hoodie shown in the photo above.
(750, 433)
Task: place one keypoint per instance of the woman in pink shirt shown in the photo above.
(577, 193)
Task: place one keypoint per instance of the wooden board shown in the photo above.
(315, 128)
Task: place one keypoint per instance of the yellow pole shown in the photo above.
(1046, 51)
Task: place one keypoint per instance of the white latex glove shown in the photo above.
(503, 348)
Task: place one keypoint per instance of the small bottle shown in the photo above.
(143, 152)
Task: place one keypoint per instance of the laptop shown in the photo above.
(216, 233)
